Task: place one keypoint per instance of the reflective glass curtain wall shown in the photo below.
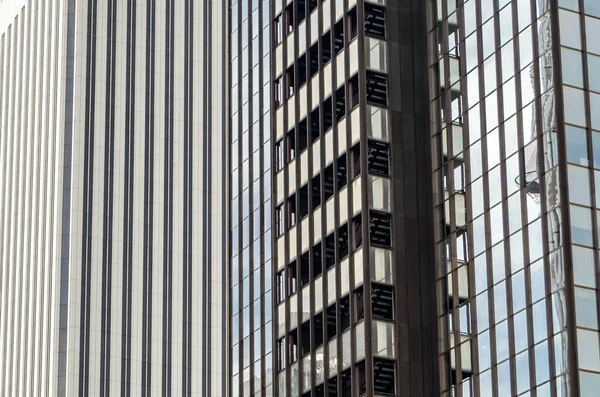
(250, 193)
(516, 250)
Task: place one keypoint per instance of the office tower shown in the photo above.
(112, 119)
(434, 221)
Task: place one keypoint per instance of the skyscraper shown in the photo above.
(434, 222)
(112, 119)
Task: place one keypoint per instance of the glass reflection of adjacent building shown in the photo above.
(250, 192)
(518, 235)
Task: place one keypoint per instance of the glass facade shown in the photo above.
(418, 180)
(250, 187)
(514, 168)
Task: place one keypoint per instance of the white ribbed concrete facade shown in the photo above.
(112, 198)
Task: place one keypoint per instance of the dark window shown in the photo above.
(345, 313)
(342, 171)
(305, 336)
(313, 59)
(355, 161)
(318, 329)
(328, 182)
(293, 346)
(359, 303)
(381, 229)
(346, 383)
(290, 82)
(317, 260)
(376, 88)
(353, 91)
(292, 211)
(301, 70)
(304, 268)
(357, 231)
(289, 18)
(292, 276)
(383, 376)
(375, 21)
(301, 10)
(330, 251)
(327, 114)
(342, 237)
(331, 323)
(362, 378)
(340, 103)
(316, 192)
(379, 158)
(314, 125)
(352, 24)
(291, 145)
(312, 4)
(303, 201)
(320, 391)
(326, 48)
(338, 37)
(382, 302)
(332, 387)
(302, 135)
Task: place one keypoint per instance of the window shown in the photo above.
(318, 329)
(355, 161)
(278, 29)
(330, 251)
(381, 229)
(316, 192)
(292, 211)
(280, 287)
(359, 303)
(313, 59)
(382, 302)
(376, 88)
(279, 155)
(342, 237)
(352, 24)
(302, 135)
(304, 268)
(342, 171)
(303, 201)
(345, 313)
(340, 103)
(279, 220)
(331, 323)
(379, 158)
(290, 82)
(293, 346)
(375, 21)
(281, 347)
(326, 48)
(292, 276)
(278, 94)
(353, 91)
(357, 231)
(328, 182)
(314, 125)
(383, 376)
(289, 18)
(291, 145)
(305, 337)
(327, 114)
(338, 37)
(317, 260)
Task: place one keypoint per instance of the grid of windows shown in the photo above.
(250, 164)
(580, 59)
(331, 196)
(501, 282)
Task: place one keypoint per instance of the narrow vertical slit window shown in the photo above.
(290, 83)
(289, 18)
(342, 236)
(292, 277)
(293, 346)
(279, 220)
(318, 329)
(352, 25)
(345, 313)
(340, 103)
(355, 161)
(353, 91)
(357, 231)
(327, 114)
(326, 48)
(279, 155)
(304, 268)
(384, 376)
(330, 251)
(292, 211)
(278, 92)
(303, 201)
(278, 29)
(313, 59)
(302, 135)
(338, 37)
(382, 302)
(301, 71)
(280, 287)
(281, 347)
(314, 125)
(331, 322)
(316, 192)
(317, 260)
(328, 182)
(291, 144)
(342, 171)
